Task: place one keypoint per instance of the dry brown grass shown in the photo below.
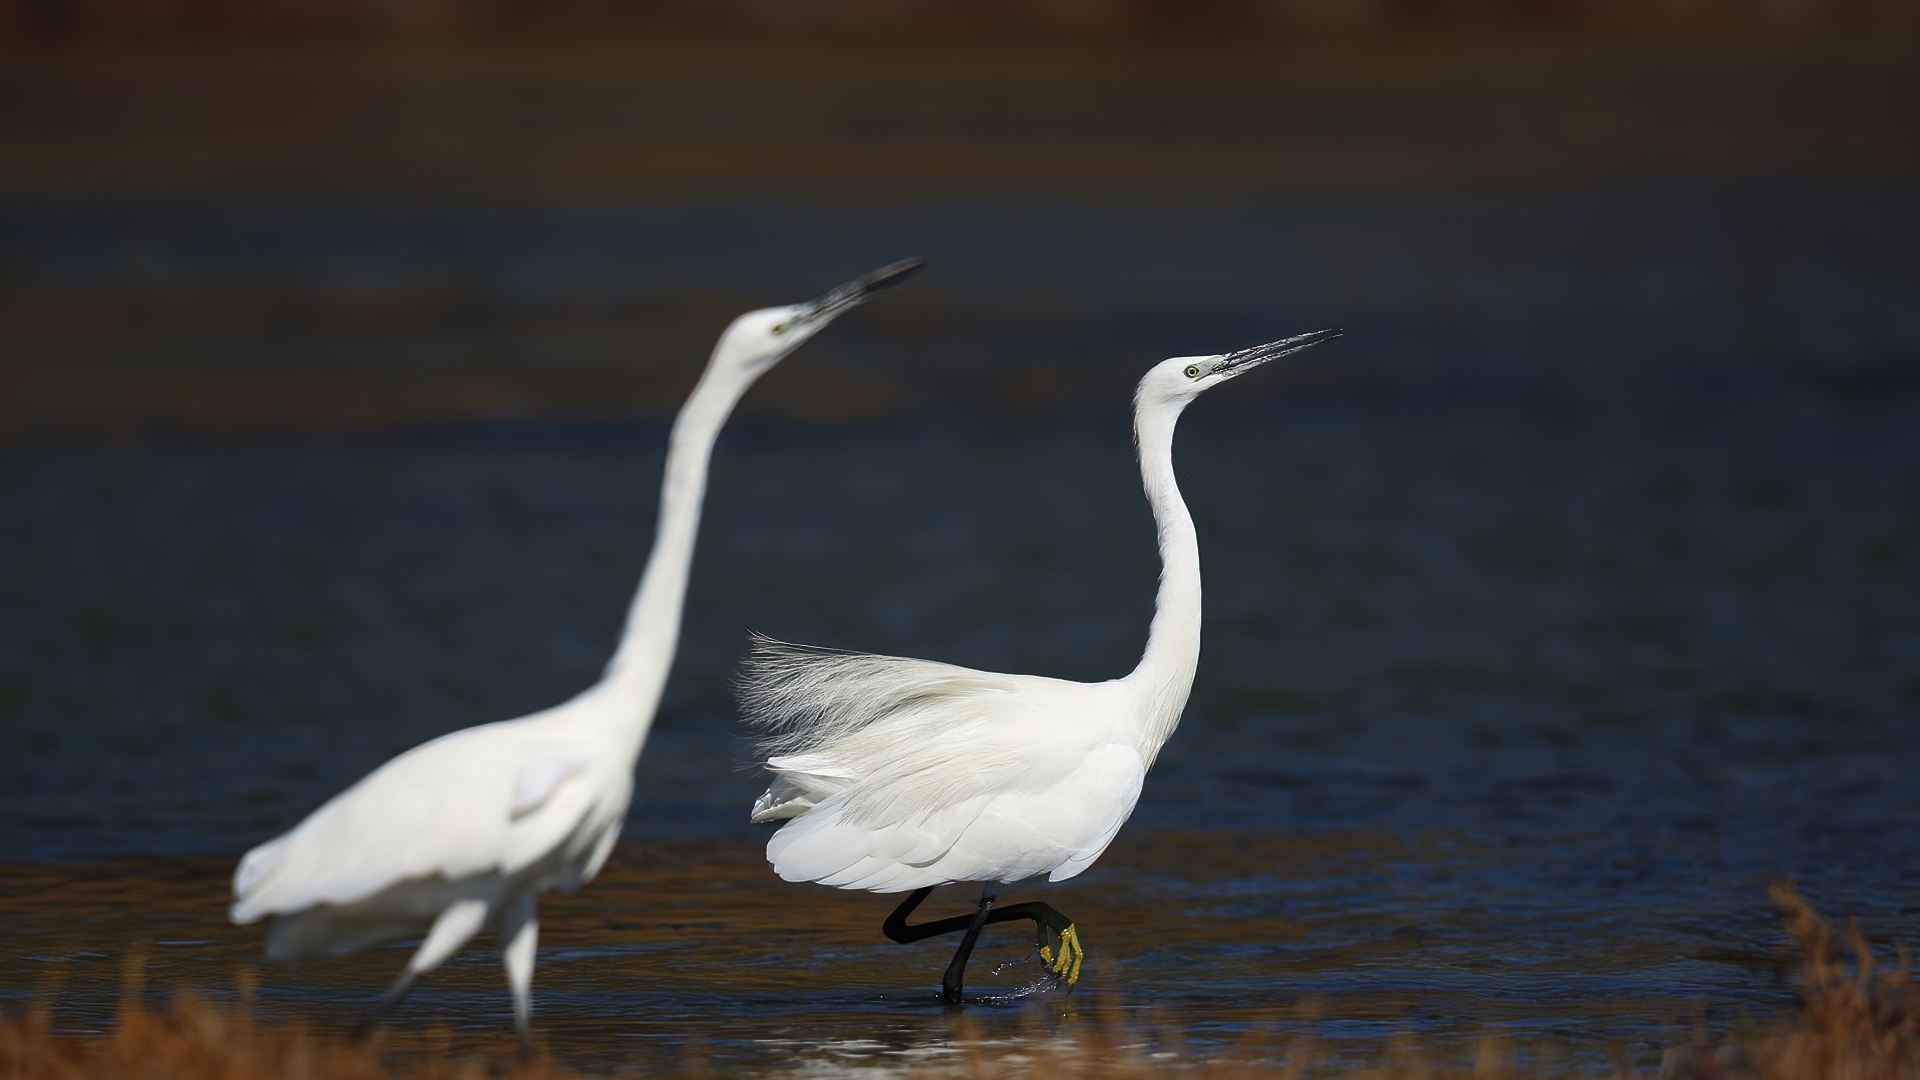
(194, 1039)
(1856, 1021)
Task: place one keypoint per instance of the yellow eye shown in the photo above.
(779, 329)
(1193, 371)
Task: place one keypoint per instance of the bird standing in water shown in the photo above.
(466, 831)
(897, 774)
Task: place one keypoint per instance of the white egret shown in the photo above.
(464, 832)
(901, 774)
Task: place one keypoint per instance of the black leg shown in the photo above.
(896, 925)
(1066, 966)
(957, 970)
(1047, 924)
(370, 1019)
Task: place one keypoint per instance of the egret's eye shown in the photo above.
(779, 328)
(1193, 371)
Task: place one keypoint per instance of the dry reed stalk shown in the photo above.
(194, 1039)
(1853, 1024)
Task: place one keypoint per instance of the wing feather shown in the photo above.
(513, 805)
(900, 736)
(806, 698)
(899, 773)
(542, 775)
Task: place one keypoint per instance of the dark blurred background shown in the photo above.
(923, 20)
(317, 214)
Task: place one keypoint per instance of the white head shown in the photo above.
(760, 339)
(1178, 381)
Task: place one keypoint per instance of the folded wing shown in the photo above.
(484, 800)
(900, 773)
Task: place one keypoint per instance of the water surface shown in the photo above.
(1532, 652)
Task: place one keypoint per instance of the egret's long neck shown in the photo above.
(1165, 674)
(638, 671)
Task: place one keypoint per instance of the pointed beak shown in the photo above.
(1239, 363)
(853, 293)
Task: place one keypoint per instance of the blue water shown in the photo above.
(1550, 615)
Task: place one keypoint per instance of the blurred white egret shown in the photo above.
(906, 774)
(464, 832)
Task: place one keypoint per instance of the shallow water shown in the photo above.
(1517, 688)
(1504, 718)
(1207, 943)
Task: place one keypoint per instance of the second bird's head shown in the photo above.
(1183, 378)
(760, 339)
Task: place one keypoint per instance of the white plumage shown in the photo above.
(916, 773)
(464, 832)
(895, 774)
(536, 805)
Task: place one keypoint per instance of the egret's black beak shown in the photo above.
(841, 297)
(1239, 363)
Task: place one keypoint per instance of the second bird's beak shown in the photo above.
(841, 297)
(1239, 363)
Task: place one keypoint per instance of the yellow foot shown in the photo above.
(1067, 966)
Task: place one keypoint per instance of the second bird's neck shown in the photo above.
(1165, 674)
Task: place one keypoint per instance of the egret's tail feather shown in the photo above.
(808, 698)
(253, 870)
